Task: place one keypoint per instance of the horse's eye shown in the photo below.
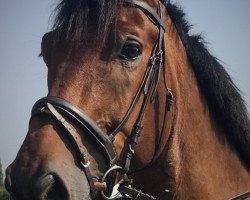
(130, 51)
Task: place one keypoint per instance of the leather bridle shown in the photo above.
(61, 110)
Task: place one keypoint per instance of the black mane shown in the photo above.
(223, 97)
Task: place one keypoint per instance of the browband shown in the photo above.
(148, 11)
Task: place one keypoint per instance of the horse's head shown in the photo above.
(100, 60)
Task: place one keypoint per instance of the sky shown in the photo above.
(225, 25)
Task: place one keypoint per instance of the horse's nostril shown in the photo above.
(44, 185)
(51, 187)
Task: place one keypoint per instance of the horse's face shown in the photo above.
(100, 81)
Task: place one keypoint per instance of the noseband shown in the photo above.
(61, 110)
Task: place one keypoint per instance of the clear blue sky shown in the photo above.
(225, 24)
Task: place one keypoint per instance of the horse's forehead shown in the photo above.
(130, 17)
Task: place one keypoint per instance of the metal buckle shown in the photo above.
(113, 195)
(85, 165)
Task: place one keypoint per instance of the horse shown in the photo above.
(137, 108)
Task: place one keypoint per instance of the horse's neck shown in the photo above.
(200, 161)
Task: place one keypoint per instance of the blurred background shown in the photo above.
(225, 25)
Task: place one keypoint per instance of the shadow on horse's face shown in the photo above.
(100, 81)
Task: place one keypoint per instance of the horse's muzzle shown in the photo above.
(46, 186)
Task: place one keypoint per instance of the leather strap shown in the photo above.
(242, 196)
(148, 11)
(77, 144)
(155, 57)
(151, 83)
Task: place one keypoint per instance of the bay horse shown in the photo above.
(137, 108)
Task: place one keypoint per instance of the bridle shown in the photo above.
(62, 110)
